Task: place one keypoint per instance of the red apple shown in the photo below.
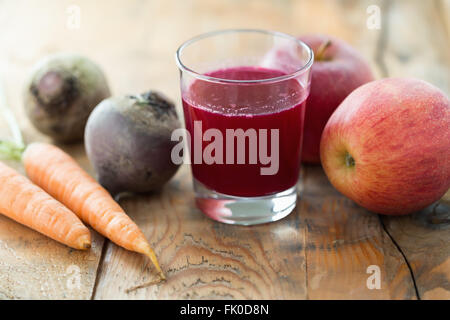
(387, 146)
(338, 69)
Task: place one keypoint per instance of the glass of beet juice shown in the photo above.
(243, 94)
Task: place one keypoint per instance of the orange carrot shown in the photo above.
(59, 174)
(26, 203)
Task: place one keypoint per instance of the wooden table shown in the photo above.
(324, 249)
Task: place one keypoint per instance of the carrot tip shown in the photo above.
(84, 242)
(152, 257)
(148, 251)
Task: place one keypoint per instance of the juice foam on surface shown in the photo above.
(244, 99)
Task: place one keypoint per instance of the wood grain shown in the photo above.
(33, 266)
(344, 241)
(204, 259)
(424, 239)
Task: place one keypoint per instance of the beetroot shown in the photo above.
(61, 93)
(128, 141)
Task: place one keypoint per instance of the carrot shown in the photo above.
(59, 174)
(26, 203)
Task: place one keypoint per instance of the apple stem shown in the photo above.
(321, 51)
(349, 161)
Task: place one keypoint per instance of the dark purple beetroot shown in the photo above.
(128, 142)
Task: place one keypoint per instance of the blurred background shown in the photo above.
(135, 40)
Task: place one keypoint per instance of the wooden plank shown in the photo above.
(320, 251)
(344, 243)
(423, 52)
(33, 266)
(205, 259)
(424, 239)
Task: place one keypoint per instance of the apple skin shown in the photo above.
(332, 80)
(397, 131)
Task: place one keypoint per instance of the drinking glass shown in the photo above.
(243, 95)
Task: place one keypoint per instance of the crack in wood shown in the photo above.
(403, 255)
(98, 272)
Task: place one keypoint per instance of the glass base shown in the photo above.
(244, 210)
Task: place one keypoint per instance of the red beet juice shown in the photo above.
(277, 104)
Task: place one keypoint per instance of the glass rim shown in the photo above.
(201, 76)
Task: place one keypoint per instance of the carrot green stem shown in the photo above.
(9, 117)
(11, 150)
